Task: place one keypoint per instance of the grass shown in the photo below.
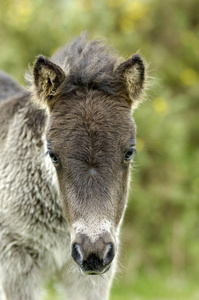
(155, 288)
(147, 287)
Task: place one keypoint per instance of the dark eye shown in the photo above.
(53, 157)
(129, 153)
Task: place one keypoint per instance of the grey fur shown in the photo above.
(36, 230)
(9, 87)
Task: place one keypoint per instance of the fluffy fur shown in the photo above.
(85, 98)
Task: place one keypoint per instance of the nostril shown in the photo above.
(109, 254)
(77, 254)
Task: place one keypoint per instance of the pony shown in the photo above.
(66, 145)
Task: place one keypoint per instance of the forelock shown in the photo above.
(91, 64)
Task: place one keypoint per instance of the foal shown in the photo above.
(61, 213)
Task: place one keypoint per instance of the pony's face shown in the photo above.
(91, 140)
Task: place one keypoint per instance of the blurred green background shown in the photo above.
(160, 234)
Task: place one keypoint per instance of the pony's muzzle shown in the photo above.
(93, 257)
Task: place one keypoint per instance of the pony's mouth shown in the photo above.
(92, 272)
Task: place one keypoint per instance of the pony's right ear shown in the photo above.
(130, 79)
(47, 77)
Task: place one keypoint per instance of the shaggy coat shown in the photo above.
(60, 213)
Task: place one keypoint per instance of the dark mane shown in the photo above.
(91, 64)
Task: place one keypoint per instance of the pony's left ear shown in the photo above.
(47, 78)
(130, 79)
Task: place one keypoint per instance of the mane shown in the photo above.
(90, 64)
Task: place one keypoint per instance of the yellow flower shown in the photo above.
(22, 10)
(132, 12)
(188, 76)
(160, 106)
(135, 10)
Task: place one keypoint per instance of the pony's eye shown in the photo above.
(53, 157)
(129, 153)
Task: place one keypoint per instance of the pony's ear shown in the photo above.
(130, 78)
(47, 78)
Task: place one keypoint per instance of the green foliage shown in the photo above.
(155, 287)
(161, 228)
